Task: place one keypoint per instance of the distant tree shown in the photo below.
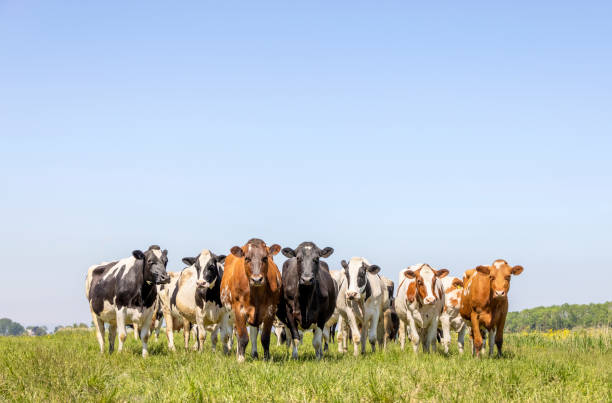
(10, 328)
(560, 317)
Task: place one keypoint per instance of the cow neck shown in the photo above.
(305, 299)
(148, 292)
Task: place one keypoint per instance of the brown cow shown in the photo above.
(485, 302)
(251, 287)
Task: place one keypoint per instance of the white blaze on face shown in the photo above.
(203, 260)
(429, 280)
(157, 253)
(354, 266)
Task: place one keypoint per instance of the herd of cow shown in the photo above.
(244, 293)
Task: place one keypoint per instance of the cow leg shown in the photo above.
(226, 332)
(121, 327)
(341, 337)
(112, 333)
(214, 335)
(243, 337)
(317, 342)
(430, 337)
(135, 327)
(201, 334)
(477, 337)
(170, 331)
(402, 333)
(278, 332)
(491, 338)
(352, 322)
(266, 331)
(375, 328)
(499, 336)
(186, 333)
(99, 325)
(326, 338)
(446, 336)
(253, 332)
(415, 338)
(461, 338)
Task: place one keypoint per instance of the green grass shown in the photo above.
(535, 367)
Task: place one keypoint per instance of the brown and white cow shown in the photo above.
(450, 319)
(419, 303)
(251, 287)
(485, 302)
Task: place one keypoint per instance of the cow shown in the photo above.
(485, 302)
(386, 325)
(197, 298)
(419, 303)
(450, 319)
(251, 288)
(308, 296)
(124, 291)
(361, 299)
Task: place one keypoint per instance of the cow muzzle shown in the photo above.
(257, 281)
(202, 284)
(352, 295)
(499, 294)
(429, 300)
(163, 279)
(306, 280)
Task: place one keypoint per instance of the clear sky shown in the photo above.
(452, 135)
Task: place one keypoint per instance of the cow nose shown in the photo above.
(429, 300)
(351, 295)
(257, 280)
(500, 293)
(201, 283)
(306, 280)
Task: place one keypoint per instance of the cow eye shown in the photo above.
(508, 278)
(247, 259)
(264, 259)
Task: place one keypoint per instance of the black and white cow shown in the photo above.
(123, 292)
(308, 297)
(197, 298)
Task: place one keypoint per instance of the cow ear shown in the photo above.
(274, 249)
(516, 270)
(165, 252)
(344, 264)
(483, 269)
(288, 252)
(237, 251)
(221, 258)
(409, 274)
(138, 254)
(457, 283)
(442, 273)
(326, 252)
(189, 260)
(373, 269)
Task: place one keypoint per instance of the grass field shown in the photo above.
(560, 366)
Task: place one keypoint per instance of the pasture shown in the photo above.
(560, 366)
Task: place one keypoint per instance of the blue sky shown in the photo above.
(452, 135)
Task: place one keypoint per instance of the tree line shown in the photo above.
(10, 328)
(557, 317)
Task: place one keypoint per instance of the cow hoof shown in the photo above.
(145, 354)
(254, 356)
(241, 358)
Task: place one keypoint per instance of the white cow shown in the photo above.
(361, 299)
(198, 299)
(419, 303)
(450, 317)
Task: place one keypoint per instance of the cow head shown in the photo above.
(307, 255)
(256, 259)
(209, 268)
(425, 286)
(154, 264)
(500, 273)
(355, 271)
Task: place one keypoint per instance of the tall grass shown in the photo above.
(536, 367)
